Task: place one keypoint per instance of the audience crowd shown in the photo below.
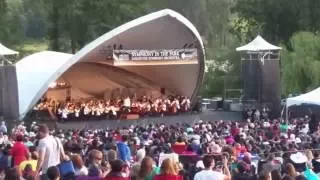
(220, 150)
(113, 109)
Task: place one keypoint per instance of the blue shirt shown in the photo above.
(124, 151)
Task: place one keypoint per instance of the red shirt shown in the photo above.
(235, 131)
(19, 152)
(167, 177)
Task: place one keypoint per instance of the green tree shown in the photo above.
(210, 17)
(54, 25)
(12, 19)
(276, 20)
(35, 18)
(3, 10)
(74, 23)
(300, 67)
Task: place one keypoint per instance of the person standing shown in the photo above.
(127, 104)
(168, 171)
(50, 151)
(19, 151)
(208, 172)
(3, 128)
(124, 150)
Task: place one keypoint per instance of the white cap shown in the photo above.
(298, 158)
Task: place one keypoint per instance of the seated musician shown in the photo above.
(65, 113)
(107, 108)
(77, 112)
(97, 111)
(174, 106)
(126, 104)
(155, 107)
(148, 108)
(135, 107)
(59, 112)
(113, 110)
(86, 110)
(185, 104)
(101, 108)
(71, 108)
(163, 108)
(177, 104)
(93, 110)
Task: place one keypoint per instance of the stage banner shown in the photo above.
(155, 55)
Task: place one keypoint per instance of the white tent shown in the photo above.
(312, 97)
(258, 44)
(6, 51)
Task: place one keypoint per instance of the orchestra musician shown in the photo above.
(111, 108)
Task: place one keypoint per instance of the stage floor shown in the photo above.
(186, 118)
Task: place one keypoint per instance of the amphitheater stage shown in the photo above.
(187, 118)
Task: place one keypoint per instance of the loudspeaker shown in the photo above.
(270, 85)
(9, 92)
(251, 78)
(261, 82)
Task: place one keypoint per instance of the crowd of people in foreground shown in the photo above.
(112, 109)
(219, 150)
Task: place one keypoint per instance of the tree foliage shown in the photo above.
(74, 23)
(300, 66)
(11, 21)
(224, 25)
(210, 17)
(276, 20)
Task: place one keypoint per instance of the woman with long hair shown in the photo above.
(148, 169)
(80, 168)
(168, 171)
(309, 155)
(275, 175)
(290, 170)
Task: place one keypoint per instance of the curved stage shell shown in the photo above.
(91, 74)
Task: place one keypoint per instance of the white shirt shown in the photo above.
(98, 113)
(86, 110)
(208, 174)
(305, 130)
(177, 104)
(164, 107)
(126, 102)
(148, 107)
(113, 109)
(50, 149)
(3, 139)
(77, 112)
(81, 172)
(65, 113)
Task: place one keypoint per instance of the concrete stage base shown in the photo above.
(187, 118)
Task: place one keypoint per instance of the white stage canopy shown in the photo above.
(258, 44)
(312, 97)
(6, 51)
